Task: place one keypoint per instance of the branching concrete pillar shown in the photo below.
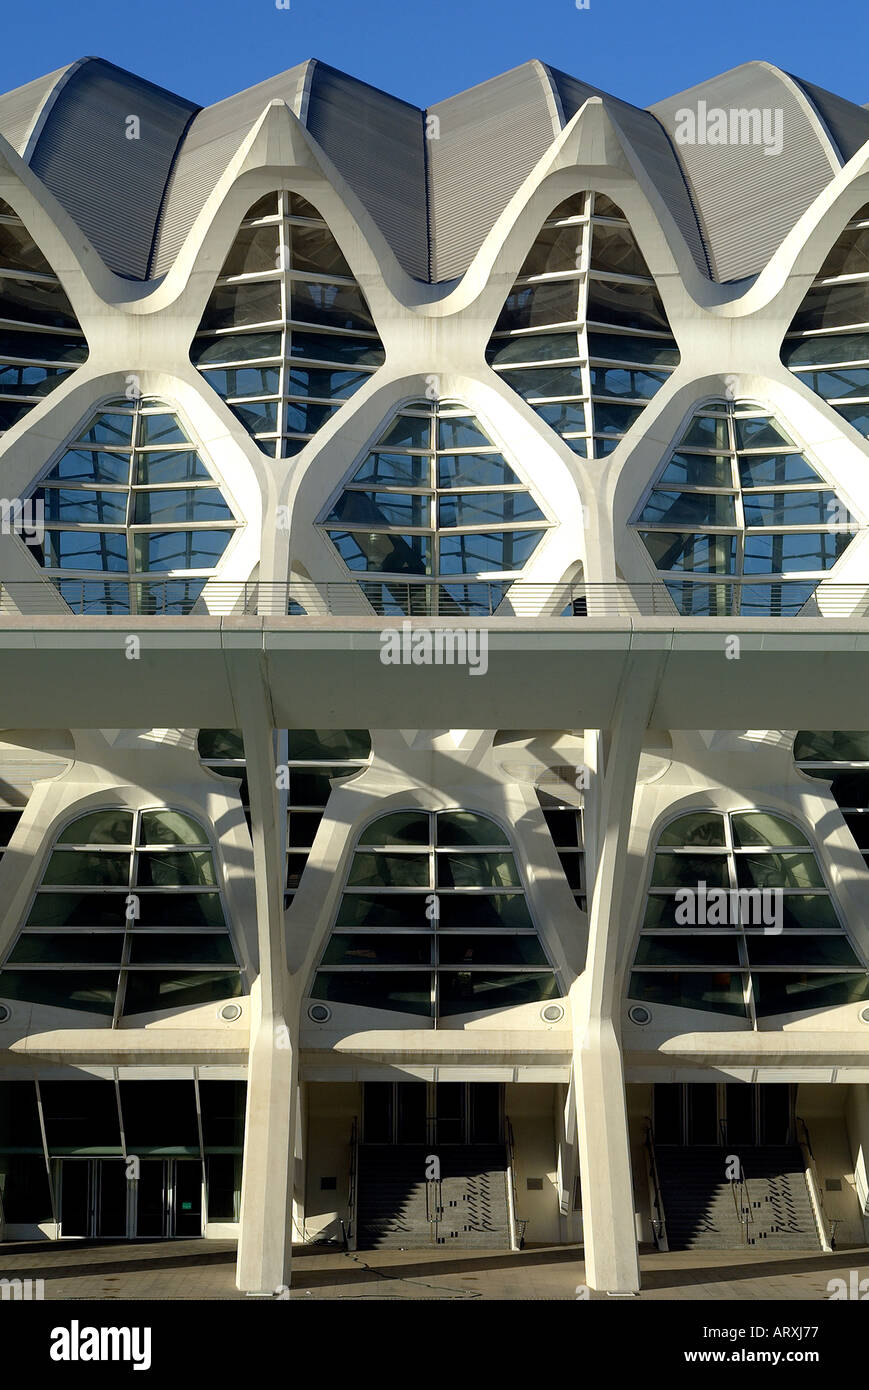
(609, 1232)
(265, 1244)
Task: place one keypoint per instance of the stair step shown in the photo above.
(698, 1199)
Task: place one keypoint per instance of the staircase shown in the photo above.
(468, 1207)
(699, 1206)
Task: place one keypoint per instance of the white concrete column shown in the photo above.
(265, 1241)
(609, 1233)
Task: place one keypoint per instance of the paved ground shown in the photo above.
(198, 1269)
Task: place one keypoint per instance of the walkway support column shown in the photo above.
(265, 1243)
(609, 1233)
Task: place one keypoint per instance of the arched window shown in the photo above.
(583, 335)
(287, 335)
(40, 338)
(737, 501)
(827, 344)
(434, 497)
(739, 920)
(131, 500)
(433, 921)
(128, 919)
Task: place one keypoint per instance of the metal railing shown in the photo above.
(826, 1225)
(742, 1202)
(419, 597)
(659, 1221)
(517, 1226)
(352, 1189)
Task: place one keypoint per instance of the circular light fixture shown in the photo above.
(864, 1014)
(319, 1013)
(4, 1013)
(231, 1012)
(552, 1013)
(638, 1013)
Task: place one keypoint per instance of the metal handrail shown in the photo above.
(742, 1202)
(518, 1224)
(828, 1224)
(422, 597)
(659, 1222)
(353, 1186)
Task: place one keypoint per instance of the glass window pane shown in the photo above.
(180, 505)
(720, 993)
(99, 828)
(91, 466)
(763, 828)
(91, 991)
(691, 553)
(689, 509)
(165, 870)
(477, 870)
(472, 991)
(399, 828)
(170, 550)
(482, 550)
(474, 470)
(382, 552)
(688, 870)
(795, 992)
(764, 470)
(490, 949)
(832, 746)
(468, 828)
(74, 866)
(379, 509)
(697, 828)
(170, 828)
(486, 509)
(383, 910)
(778, 871)
(149, 991)
(309, 745)
(711, 950)
(387, 948)
(85, 550)
(407, 992)
(389, 870)
(701, 470)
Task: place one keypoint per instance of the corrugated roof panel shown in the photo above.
(748, 200)
(213, 137)
(376, 143)
(653, 149)
(112, 186)
(847, 123)
(19, 109)
(491, 137)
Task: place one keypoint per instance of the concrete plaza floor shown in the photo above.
(199, 1269)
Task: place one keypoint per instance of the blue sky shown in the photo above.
(424, 50)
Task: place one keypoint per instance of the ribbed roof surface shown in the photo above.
(748, 200)
(434, 181)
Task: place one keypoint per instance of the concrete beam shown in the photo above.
(326, 672)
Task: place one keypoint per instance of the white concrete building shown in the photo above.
(520, 445)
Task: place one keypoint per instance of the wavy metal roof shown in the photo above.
(434, 181)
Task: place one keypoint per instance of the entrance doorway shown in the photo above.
(97, 1200)
(432, 1166)
(732, 1113)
